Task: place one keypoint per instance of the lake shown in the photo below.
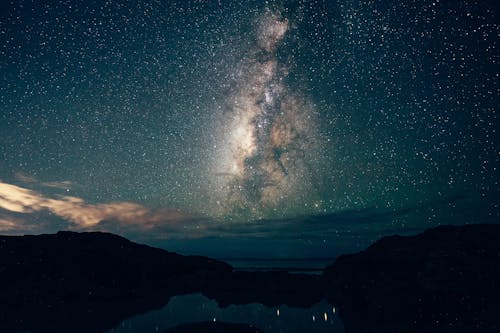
(321, 317)
(293, 265)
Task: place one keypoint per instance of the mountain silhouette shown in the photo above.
(95, 277)
(443, 280)
(90, 282)
(446, 279)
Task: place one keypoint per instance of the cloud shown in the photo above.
(355, 224)
(24, 210)
(7, 224)
(27, 179)
(17, 201)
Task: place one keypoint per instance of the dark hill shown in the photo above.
(89, 282)
(446, 279)
(95, 262)
(53, 277)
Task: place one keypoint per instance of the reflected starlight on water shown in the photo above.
(197, 308)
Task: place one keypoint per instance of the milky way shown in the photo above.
(232, 111)
(267, 130)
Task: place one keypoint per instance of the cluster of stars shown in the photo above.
(255, 110)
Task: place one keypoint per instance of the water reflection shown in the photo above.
(319, 318)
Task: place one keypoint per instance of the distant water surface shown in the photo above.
(293, 265)
(320, 318)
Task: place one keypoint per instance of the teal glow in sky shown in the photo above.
(191, 119)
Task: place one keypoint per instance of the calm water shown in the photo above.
(321, 317)
(312, 266)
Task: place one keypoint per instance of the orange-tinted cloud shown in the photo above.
(81, 215)
(27, 179)
(7, 224)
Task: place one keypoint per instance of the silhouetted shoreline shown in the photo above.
(445, 279)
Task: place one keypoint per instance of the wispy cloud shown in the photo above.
(21, 201)
(27, 179)
(26, 210)
(7, 224)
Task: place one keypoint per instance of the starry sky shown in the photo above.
(204, 126)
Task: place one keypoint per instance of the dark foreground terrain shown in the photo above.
(90, 282)
(443, 280)
(446, 279)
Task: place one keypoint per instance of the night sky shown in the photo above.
(273, 127)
